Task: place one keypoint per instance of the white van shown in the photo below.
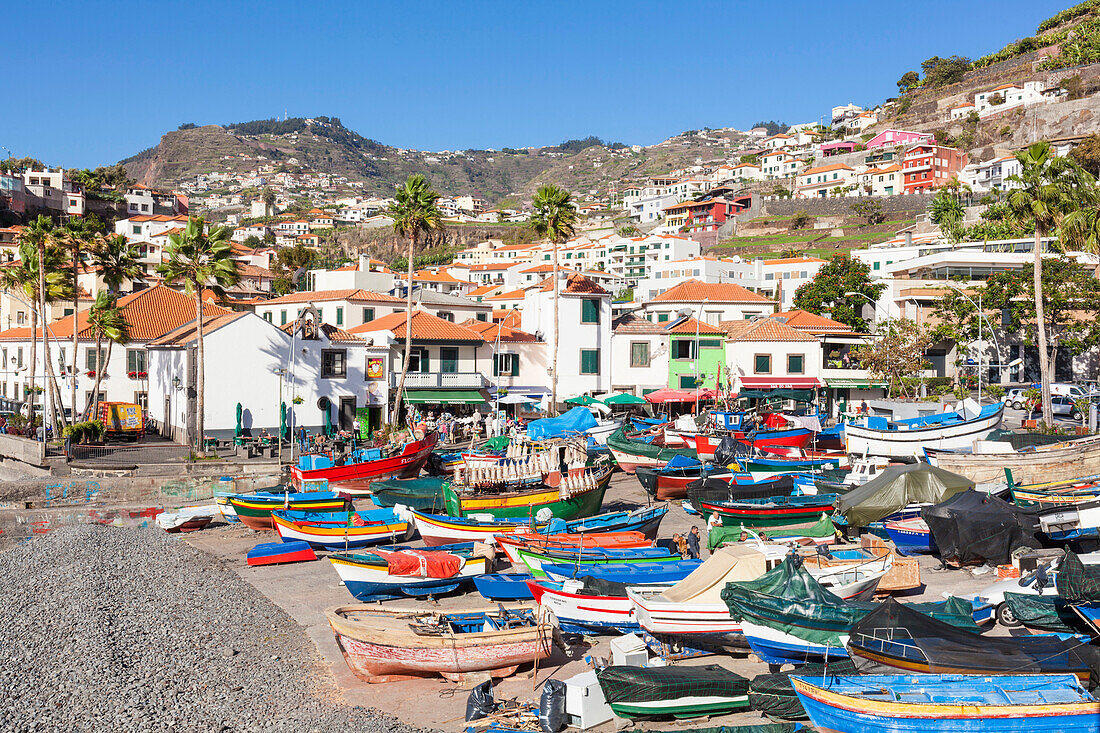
(1073, 391)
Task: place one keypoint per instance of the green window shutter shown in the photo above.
(90, 359)
(590, 361)
(709, 344)
(763, 364)
(496, 364)
(448, 360)
(282, 318)
(662, 318)
(339, 316)
(687, 381)
(590, 310)
(796, 364)
(368, 315)
(425, 362)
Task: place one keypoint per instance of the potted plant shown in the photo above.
(143, 375)
(132, 375)
(297, 400)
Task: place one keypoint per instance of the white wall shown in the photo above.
(538, 315)
(630, 379)
(740, 357)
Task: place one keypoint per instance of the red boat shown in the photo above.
(761, 440)
(364, 466)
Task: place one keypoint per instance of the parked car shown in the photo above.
(1062, 405)
(1016, 399)
(1026, 585)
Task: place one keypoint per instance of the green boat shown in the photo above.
(824, 527)
(677, 692)
(424, 493)
(534, 559)
(631, 454)
(525, 502)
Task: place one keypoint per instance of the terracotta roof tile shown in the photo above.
(695, 291)
(631, 323)
(425, 327)
(508, 333)
(510, 295)
(811, 322)
(317, 296)
(483, 290)
(576, 284)
(688, 326)
(187, 333)
(763, 329)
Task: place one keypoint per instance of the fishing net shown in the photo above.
(774, 695)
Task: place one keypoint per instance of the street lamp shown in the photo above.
(981, 317)
(874, 305)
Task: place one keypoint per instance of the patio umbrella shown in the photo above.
(328, 420)
(584, 400)
(516, 399)
(283, 432)
(622, 398)
(239, 429)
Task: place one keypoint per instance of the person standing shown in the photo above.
(475, 424)
(693, 544)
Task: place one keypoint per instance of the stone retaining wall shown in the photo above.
(843, 206)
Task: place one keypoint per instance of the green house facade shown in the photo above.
(696, 356)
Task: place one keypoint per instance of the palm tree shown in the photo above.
(414, 213)
(77, 237)
(1047, 188)
(117, 261)
(200, 260)
(555, 218)
(106, 321)
(947, 212)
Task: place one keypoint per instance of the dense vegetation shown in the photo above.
(774, 127)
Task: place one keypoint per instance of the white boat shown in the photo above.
(579, 610)
(188, 518)
(1071, 521)
(907, 438)
(603, 429)
(693, 613)
(863, 470)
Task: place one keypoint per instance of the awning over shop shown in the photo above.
(445, 396)
(799, 395)
(765, 382)
(679, 395)
(849, 383)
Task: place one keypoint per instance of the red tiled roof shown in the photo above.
(425, 327)
(792, 260)
(316, 296)
(484, 290)
(811, 322)
(763, 329)
(510, 295)
(631, 323)
(576, 284)
(695, 291)
(489, 331)
(826, 169)
(689, 326)
(187, 333)
(510, 317)
(151, 313)
(333, 333)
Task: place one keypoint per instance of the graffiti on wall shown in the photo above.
(69, 493)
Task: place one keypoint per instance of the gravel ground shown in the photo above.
(135, 630)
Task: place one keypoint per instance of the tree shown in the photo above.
(269, 198)
(828, 291)
(897, 354)
(414, 213)
(290, 263)
(957, 318)
(1070, 306)
(773, 127)
(946, 211)
(1087, 154)
(907, 81)
(200, 259)
(253, 241)
(1045, 190)
(107, 321)
(77, 237)
(870, 211)
(628, 230)
(117, 260)
(941, 72)
(801, 220)
(555, 217)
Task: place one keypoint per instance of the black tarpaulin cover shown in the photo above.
(644, 684)
(976, 527)
(718, 488)
(774, 695)
(594, 586)
(1077, 581)
(896, 632)
(897, 486)
(729, 450)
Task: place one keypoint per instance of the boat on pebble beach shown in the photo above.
(440, 529)
(254, 510)
(341, 530)
(576, 493)
(187, 518)
(364, 465)
(389, 645)
(399, 572)
(771, 512)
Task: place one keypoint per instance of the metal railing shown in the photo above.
(453, 380)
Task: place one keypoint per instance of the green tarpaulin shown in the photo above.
(444, 396)
(500, 442)
(897, 486)
(1049, 613)
(823, 528)
(621, 442)
(800, 395)
(774, 695)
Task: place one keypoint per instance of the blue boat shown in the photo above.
(930, 703)
(910, 535)
(397, 572)
(638, 573)
(504, 586)
(277, 553)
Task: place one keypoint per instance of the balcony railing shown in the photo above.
(437, 380)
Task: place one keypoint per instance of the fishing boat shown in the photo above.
(365, 465)
(341, 530)
(986, 461)
(387, 645)
(770, 512)
(580, 607)
(437, 529)
(278, 553)
(948, 702)
(670, 570)
(909, 437)
(535, 560)
(504, 586)
(678, 692)
(254, 510)
(706, 444)
(823, 532)
(424, 493)
(632, 452)
(910, 535)
(512, 543)
(1054, 494)
(382, 574)
(763, 467)
(188, 518)
(671, 480)
(578, 493)
(894, 638)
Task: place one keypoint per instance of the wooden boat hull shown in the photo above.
(278, 553)
(191, 525)
(255, 513)
(890, 659)
(534, 561)
(578, 613)
(385, 652)
(706, 444)
(438, 530)
(910, 535)
(340, 536)
(1058, 462)
(512, 544)
(520, 504)
(841, 713)
(356, 478)
(778, 647)
(864, 441)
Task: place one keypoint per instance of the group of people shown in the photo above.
(452, 428)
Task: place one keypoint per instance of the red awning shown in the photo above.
(764, 382)
(680, 395)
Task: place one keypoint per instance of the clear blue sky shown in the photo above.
(88, 83)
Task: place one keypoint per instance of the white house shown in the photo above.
(777, 279)
(778, 164)
(639, 355)
(992, 174)
(765, 353)
(341, 308)
(885, 181)
(709, 302)
(821, 180)
(519, 359)
(1008, 96)
(744, 172)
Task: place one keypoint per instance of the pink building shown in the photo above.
(898, 137)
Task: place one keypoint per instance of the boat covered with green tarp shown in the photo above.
(824, 527)
(773, 694)
(678, 692)
(424, 493)
(630, 452)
